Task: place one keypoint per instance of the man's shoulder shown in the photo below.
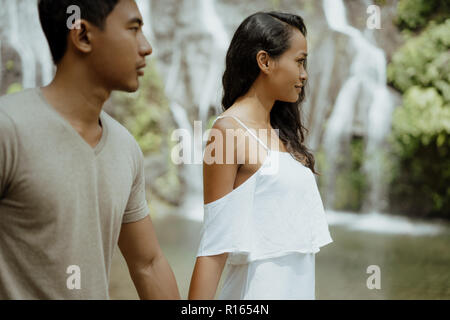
(16, 113)
(120, 133)
(9, 102)
(19, 106)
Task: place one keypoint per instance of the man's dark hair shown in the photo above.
(53, 16)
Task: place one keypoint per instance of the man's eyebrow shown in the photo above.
(303, 53)
(136, 20)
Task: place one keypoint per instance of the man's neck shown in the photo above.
(77, 98)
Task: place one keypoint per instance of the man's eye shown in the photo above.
(135, 29)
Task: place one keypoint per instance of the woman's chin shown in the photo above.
(293, 99)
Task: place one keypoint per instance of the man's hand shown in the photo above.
(149, 269)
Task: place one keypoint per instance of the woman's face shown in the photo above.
(289, 74)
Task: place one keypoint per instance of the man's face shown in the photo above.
(120, 49)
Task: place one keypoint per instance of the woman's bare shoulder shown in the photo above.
(227, 120)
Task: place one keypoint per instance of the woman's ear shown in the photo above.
(263, 60)
(81, 36)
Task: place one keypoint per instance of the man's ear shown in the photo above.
(264, 61)
(81, 36)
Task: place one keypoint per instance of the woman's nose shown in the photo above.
(303, 75)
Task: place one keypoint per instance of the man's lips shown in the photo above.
(140, 69)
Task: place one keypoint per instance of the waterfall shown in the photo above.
(322, 84)
(20, 44)
(194, 70)
(145, 9)
(215, 28)
(20, 29)
(364, 91)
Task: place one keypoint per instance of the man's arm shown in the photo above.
(149, 269)
(8, 152)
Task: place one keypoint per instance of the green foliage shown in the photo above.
(422, 119)
(421, 140)
(210, 122)
(380, 2)
(413, 14)
(424, 61)
(170, 181)
(420, 69)
(351, 183)
(146, 113)
(9, 65)
(13, 88)
(275, 3)
(421, 184)
(421, 126)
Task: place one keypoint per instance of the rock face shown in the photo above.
(190, 39)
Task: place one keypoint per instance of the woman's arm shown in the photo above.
(218, 180)
(206, 276)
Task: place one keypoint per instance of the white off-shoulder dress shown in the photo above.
(272, 225)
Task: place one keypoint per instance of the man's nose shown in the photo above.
(146, 48)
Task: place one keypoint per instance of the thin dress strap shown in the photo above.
(246, 128)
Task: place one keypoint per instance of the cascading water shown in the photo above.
(202, 84)
(220, 41)
(365, 89)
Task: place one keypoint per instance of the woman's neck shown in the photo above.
(258, 103)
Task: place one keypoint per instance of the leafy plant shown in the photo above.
(423, 60)
(421, 126)
(415, 14)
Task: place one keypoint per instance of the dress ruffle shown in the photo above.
(285, 222)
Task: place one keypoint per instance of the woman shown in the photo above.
(268, 227)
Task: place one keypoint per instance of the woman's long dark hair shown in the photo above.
(272, 33)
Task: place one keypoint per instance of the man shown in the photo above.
(71, 177)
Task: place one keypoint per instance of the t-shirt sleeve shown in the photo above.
(137, 207)
(8, 152)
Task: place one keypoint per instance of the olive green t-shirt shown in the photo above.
(62, 202)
